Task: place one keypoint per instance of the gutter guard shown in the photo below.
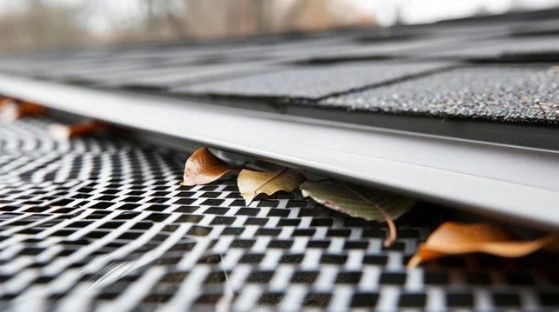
(502, 180)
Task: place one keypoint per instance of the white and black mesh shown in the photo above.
(101, 223)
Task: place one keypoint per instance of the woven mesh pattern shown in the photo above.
(102, 223)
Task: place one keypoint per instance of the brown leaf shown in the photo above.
(251, 183)
(454, 239)
(6, 101)
(202, 167)
(11, 111)
(64, 132)
(366, 204)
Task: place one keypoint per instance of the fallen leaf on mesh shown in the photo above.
(202, 167)
(455, 239)
(8, 111)
(251, 183)
(365, 204)
(12, 111)
(6, 101)
(64, 132)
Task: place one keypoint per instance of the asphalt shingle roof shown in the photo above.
(499, 93)
(313, 82)
(488, 68)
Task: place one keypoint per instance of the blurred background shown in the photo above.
(27, 25)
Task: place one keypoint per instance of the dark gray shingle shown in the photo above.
(312, 82)
(528, 94)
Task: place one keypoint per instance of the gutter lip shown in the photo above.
(504, 181)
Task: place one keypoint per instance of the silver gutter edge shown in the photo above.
(498, 179)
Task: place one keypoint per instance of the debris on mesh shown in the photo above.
(203, 167)
(12, 110)
(68, 131)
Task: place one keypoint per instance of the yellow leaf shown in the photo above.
(366, 204)
(251, 183)
(454, 239)
(203, 167)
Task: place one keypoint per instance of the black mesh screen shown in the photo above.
(102, 223)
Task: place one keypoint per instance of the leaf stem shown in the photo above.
(392, 231)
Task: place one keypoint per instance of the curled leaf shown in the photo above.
(11, 110)
(368, 205)
(202, 167)
(454, 239)
(251, 183)
(64, 132)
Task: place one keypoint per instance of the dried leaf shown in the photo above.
(365, 204)
(251, 183)
(202, 167)
(6, 101)
(64, 132)
(454, 239)
(11, 111)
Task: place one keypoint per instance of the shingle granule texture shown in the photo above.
(523, 48)
(312, 82)
(506, 94)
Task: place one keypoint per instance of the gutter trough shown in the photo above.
(516, 182)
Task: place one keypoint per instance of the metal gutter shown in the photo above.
(523, 134)
(504, 180)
